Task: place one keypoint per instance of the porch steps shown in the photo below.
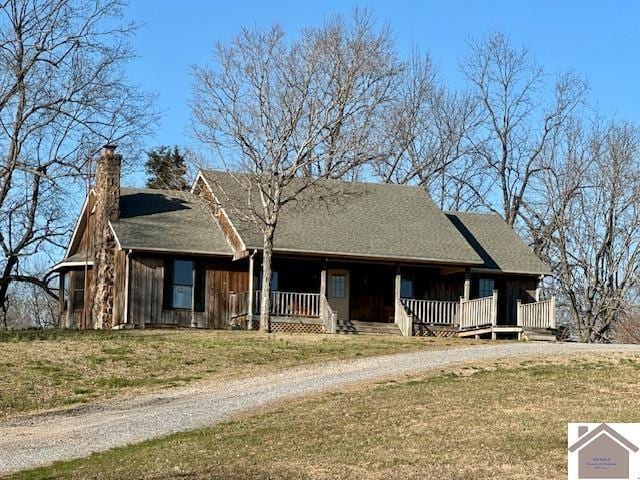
(539, 334)
(355, 327)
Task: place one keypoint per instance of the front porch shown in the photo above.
(339, 297)
(476, 317)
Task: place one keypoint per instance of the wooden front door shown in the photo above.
(338, 292)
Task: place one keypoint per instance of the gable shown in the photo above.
(80, 244)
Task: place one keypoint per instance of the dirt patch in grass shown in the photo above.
(502, 420)
(43, 370)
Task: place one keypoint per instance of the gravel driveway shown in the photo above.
(34, 440)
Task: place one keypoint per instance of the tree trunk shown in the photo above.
(5, 281)
(265, 301)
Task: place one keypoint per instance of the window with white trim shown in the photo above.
(486, 287)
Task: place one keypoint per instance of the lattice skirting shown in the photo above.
(433, 332)
(281, 327)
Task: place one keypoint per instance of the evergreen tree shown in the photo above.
(166, 169)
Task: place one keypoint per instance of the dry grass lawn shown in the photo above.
(499, 420)
(42, 370)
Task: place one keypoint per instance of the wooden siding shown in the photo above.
(510, 290)
(119, 292)
(146, 293)
(86, 240)
(431, 284)
(523, 289)
(371, 293)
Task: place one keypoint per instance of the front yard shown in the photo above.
(42, 370)
(502, 420)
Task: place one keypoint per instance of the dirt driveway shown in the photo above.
(34, 440)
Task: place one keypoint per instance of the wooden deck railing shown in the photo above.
(403, 319)
(479, 311)
(433, 312)
(290, 304)
(537, 314)
(238, 304)
(328, 316)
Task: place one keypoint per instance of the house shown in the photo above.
(602, 453)
(365, 258)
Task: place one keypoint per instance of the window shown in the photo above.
(77, 289)
(337, 286)
(182, 284)
(406, 287)
(485, 287)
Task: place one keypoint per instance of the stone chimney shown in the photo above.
(108, 181)
(107, 208)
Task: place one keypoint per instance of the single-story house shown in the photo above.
(365, 258)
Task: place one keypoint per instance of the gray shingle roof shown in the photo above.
(499, 245)
(167, 220)
(355, 219)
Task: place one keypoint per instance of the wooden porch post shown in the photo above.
(539, 288)
(519, 317)
(494, 313)
(467, 285)
(323, 280)
(250, 294)
(396, 296)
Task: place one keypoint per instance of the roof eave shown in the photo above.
(143, 249)
(64, 264)
(513, 272)
(361, 256)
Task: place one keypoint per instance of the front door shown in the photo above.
(338, 292)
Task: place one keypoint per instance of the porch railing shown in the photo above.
(403, 319)
(238, 304)
(479, 311)
(290, 304)
(328, 316)
(433, 312)
(537, 314)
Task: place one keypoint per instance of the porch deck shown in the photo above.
(303, 311)
(478, 317)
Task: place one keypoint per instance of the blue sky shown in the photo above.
(599, 39)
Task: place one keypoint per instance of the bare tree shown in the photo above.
(587, 223)
(427, 131)
(29, 308)
(627, 330)
(522, 113)
(287, 112)
(63, 94)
